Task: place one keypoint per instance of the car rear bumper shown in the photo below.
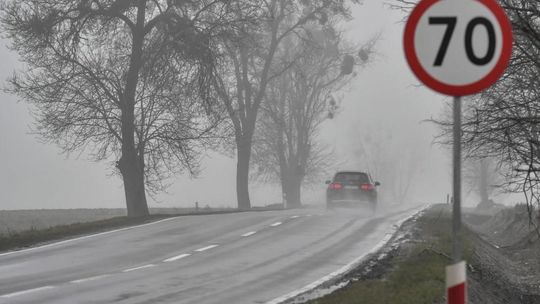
(351, 202)
(355, 197)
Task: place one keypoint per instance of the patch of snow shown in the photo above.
(319, 292)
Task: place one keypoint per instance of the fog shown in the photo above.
(383, 99)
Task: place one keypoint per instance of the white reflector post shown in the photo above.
(456, 283)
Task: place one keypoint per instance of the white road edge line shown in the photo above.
(176, 258)
(345, 268)
(95, 278)
(85, 237)
(249, 233)
(206, 248)
(20, 293)
(138, 268)
(295, 216)
(276, 224)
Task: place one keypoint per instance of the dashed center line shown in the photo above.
(20, 293)
(176, 258)
(206, 248)
(138, 268)
(89, 279)
(171, 259)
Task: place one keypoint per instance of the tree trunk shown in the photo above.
(131, 163)
(293, 195)
(132, 171)
(242, 173)
(292, 188)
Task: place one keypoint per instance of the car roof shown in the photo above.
(354, 172)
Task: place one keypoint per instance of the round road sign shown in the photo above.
(458, 47)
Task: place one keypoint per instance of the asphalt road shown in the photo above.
(252, 257)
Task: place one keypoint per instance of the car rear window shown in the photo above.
(352, 177)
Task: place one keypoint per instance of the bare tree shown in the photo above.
(250, 66)
(119, 79)
(503, 122)
(483, 179)
(286, 147)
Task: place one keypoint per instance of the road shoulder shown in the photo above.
(410, 269)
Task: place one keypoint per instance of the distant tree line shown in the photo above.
(151, 85)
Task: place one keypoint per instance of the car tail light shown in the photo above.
(367, 187)
(335, 186)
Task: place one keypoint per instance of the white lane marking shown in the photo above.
(138, 268)
(206, 248)
(85, 237)
(345, 268)
(295, 216)
(275, 224)
(176, 258)
(249, 233)
(90, 279)
(19, 293)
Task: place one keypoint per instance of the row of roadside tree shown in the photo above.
(152, 84)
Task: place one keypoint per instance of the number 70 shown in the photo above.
(450, 23)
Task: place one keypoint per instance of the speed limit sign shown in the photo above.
(458, 47)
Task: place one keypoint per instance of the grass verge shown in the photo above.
(415, 274)
(16, 240)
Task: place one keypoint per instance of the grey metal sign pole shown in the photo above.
(456, 223)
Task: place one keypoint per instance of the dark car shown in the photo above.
(351, 188)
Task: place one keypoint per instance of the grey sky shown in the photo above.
(35, 175)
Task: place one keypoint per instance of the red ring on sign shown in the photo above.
(458, 90)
